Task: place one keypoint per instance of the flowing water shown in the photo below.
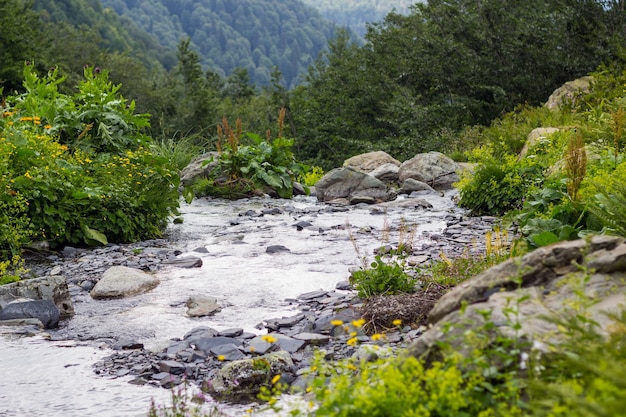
(44, 378)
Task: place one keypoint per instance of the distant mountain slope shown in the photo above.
(354, 14)
(256, 34)
(118, 33)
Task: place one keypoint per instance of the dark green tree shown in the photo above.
(20, 41)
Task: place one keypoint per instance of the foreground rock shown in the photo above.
(243, 378)
(547, 282)
(43, 310)
(352, 186)
(121, 281)
(52, 288)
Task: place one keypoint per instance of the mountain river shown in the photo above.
(48, 378)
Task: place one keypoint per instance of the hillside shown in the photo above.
(254, 34)
(355, 14)
(116, 33)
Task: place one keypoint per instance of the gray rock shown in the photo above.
(121, 281)
(127, 344)
(200, 305)
(288, 344)
(387, 173)
(259, 346)
(205, 344)
(536, 285)
(234, 332)
(370, 161)
(569, 92)
(198, 168)
(186, 262)
(411, 185)
(43, 310)
(311, 295)
(344, 183)
(172, 367)
(243, 379)
(276, 249)
(313, 338)
(201, 331)
(53, 288)
(228, 351)
(433, 168)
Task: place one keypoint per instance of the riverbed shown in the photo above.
(318, 245)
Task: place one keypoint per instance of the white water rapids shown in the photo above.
(43, 378)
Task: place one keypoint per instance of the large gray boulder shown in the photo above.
(368, 162)
(569, 92)
(352, 185)
(43, 310)
(121, 282)
(52, 288)
(243, 379)
(433, 168)
(548, 282)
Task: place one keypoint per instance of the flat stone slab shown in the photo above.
(313, 338)
(121, 282)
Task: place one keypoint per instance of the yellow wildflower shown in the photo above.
(397, 322)
(276, 379)
(221, 358)
(269, 339)
(377, 336)
(352, 341)
(358, 323)
(336, 322)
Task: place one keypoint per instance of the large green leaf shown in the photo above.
(93, 237)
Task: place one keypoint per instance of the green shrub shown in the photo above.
(382, 278)
(74, 192)
(495, 187)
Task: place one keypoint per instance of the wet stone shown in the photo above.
(172, 367)
(259, 346)
(313, 338)
(234, 332)
(312, 295)
(205, 344)
(229, 352)
(276, 249)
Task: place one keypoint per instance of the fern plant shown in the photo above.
(610, 208)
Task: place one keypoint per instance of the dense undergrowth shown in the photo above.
(77, 169)
(569, 181)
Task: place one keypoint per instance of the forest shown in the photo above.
(255, 35)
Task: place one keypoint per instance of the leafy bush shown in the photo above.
(250, 164)
(59, 188)
(383, 277)
(495, 187)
